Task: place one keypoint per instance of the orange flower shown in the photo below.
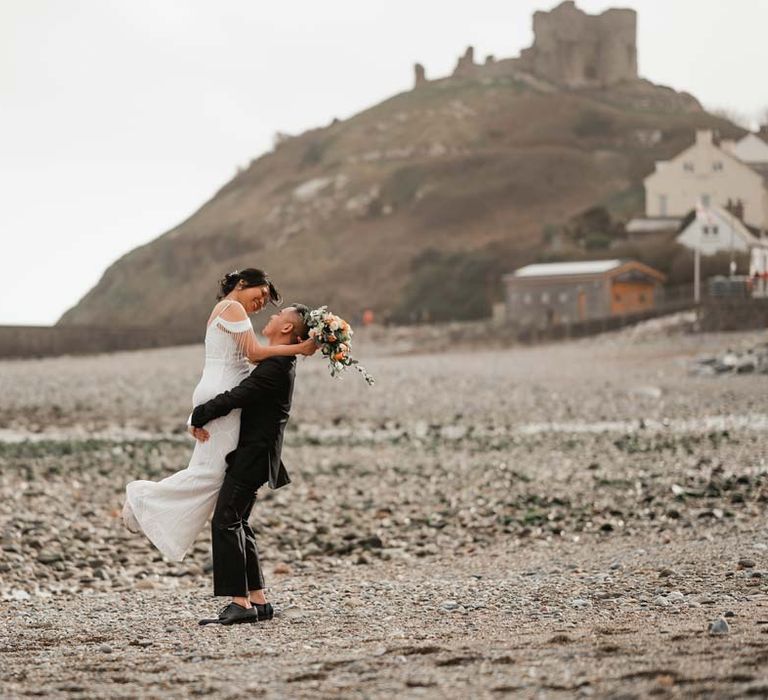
(338, 356)
(331, 338)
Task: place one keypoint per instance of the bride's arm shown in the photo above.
(234, 320)
(255, 352)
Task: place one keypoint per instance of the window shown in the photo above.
(662, 205)
(688, 167)
(617, 297)
(563, 297)
(717, 166)
(642, 297)
(705, 200)
(714, 230)
(526, 298)
(705, 230)
(545, 297)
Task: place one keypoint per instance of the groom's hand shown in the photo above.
(200, 434)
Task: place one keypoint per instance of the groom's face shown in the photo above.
(279, 321)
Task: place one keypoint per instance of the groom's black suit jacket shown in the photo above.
(265, 399)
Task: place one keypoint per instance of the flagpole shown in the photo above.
(697, 273)
(701, 220)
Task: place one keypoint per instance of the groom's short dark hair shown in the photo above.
(301, 329)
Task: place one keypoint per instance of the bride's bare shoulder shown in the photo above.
(229, 310)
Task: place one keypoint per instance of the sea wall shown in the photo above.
(46, 341)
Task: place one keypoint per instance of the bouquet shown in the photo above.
(334, 336)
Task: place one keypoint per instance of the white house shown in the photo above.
(716, 230)
(712, 175)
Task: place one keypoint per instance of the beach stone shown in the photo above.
(746, 564)
(282, 568)
(105, 649)
(719, 627)
(48, 557)
(580, 603)
(662, 601)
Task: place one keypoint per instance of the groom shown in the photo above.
(265, 399)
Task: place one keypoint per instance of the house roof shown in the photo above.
(748, 233)
(559, 269)
(751, 149)
(651, 224)
(581, 270)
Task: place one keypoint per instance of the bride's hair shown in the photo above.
(251, 277)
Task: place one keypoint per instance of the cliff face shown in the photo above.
(338, 215)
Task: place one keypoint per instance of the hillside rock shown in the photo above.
(345, 214)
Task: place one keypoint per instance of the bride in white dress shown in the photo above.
(173, 511)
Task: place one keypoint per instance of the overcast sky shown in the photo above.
(119, 118)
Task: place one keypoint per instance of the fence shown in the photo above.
(733, 314)
(579, 329)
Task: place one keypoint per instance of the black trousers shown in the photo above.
(236, 568)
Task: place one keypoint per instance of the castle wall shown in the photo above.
(575, 49)
(570, 49)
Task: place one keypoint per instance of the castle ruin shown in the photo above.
(571, 49)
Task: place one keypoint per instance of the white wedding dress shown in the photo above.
(173, 511)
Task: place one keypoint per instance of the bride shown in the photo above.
(172, 512)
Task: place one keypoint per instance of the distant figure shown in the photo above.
(368, 317)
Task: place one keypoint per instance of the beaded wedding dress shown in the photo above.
(173, 511)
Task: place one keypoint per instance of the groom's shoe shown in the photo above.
(232, 614)
(264, 611)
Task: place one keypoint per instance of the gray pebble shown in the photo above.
(719, 627)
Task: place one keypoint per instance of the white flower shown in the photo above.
(334, 325)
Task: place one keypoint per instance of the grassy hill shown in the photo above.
(413, 207)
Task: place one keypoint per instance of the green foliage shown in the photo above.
(445, 286)
(592, 229)
(597, 241)
(627, 203)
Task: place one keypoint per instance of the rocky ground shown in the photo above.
(541, 522)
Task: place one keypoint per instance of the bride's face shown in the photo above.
(254, 298)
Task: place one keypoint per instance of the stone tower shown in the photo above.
(574, 49)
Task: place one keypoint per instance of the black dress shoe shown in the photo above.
(265, 611)
(232, 614)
